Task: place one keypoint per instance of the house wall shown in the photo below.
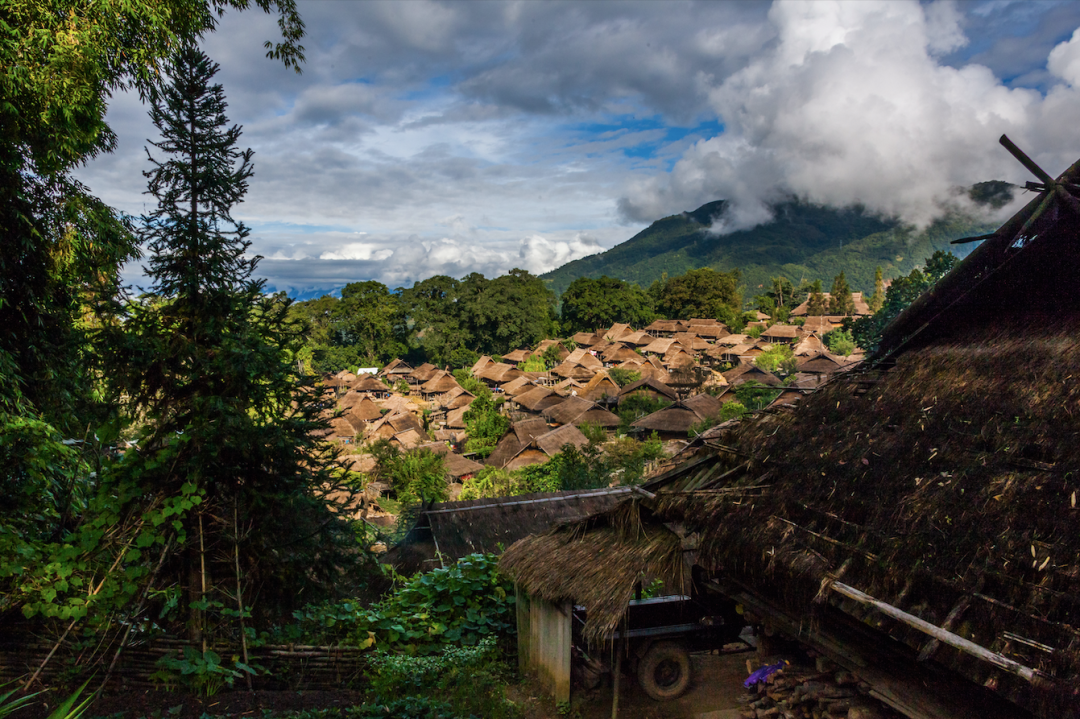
(544, 642)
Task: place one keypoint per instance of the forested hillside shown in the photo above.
(803, 242)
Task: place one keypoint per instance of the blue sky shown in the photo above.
(450, 137)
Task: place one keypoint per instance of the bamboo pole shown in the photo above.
(239, 594)
(202, 575)
(946, 637)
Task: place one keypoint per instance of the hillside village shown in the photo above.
(673, 377)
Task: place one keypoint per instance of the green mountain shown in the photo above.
(802, 242)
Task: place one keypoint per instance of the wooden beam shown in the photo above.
(946, 637)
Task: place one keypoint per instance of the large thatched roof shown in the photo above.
(597, 564)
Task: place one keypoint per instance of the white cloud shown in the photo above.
(851, 106)
(1064, 60)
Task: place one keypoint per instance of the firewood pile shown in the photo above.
(820, 692)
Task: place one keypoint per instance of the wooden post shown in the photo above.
(615, 685)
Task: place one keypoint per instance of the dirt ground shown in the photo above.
(713, 694)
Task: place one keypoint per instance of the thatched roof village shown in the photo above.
(914, 520)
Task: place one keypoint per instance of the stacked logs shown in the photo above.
(812, 693)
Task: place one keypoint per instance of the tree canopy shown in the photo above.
(593, 304)
(700, 293)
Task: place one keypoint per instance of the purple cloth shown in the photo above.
(762, 674)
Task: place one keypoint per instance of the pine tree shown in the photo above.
(816, 305)
(878, 298)
(840, 302)
(207, 364)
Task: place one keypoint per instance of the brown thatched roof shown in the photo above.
(586, 339)
(619, 353)
(597, 563)
(368, 383)
(659, 346)
(365, 410)
(601, 385)
(576, 410)
(781, 332)
(480, 364)
(341, 428)
(617, 331)
(662, 326)
(455, 418)
(680, 416)
(638, 339)
(396, 367)
(553, 442)
(521, 435)
(518, 386)
(440, 382)
(748, 371)
(823, 363)
(517, 356)
(499, 372)
(538, 399)
(649, 384)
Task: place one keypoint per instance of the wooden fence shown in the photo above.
(291, 666)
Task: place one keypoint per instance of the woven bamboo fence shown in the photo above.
(291, 666)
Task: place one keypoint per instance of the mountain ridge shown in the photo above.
(803, 241)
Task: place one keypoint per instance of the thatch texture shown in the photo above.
(480, 365)
(521, 435)
(597, 564)
(368, 383)
(650, 386)
(945, 485)
(599, 387)
(538, 399)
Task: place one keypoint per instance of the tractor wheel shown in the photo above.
(664, 671)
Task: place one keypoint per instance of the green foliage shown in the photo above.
(778, 359)
(487, 316)
(69, 708)
(878, 298)
(839, 342)
(840, 302)
(534, 363)
(754, 395)
(594, 304)
(470, 680)
(417, 475)
(637, 405)
(867, 331)
(753, 332)
(200, 672)
(409, 707)
(593, 432)
(485, 426)
(817, 304)
(700, 293)
(732, 410)
(803, 241)
(455, 605)
(623, 377)
(471, 384)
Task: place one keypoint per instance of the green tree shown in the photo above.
(700, 293)
(778, 359)
(593, 304)
(867, 331)
(61, 248)
(206, 362)
(839, 342)
(840, 302)
(817, 304)
(484, 425)
(878, 298)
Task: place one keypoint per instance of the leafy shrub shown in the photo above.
(754, 332)
(622, 376)
(471, 680)
(638, 405)
(201, 672)
(459, 604)
(732, 410)
(535, 363)
(779, 358)
(471, 384)
(485, 426)
(839, 342)
(754, 395)
(593, 432)
(403, 708)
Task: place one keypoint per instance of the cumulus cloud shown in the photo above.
(852, 106)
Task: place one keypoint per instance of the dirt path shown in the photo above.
(713, 693)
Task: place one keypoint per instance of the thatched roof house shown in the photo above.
(749, 372)
(364, 411)
(601, 387)
(560, 349)
(370, 385)
(521, 435)
(439, 383)
(675, 420)
(543, 447)
(781, 333)
(538, 399)
(480, 364)
(824, 363)
(576, 410)
(651, 387)
(517, 356)
(658, 346)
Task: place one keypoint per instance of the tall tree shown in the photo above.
(593, 304)
(817, 304)
(207, 361)
(701, 293)
(60, 247)
(878, 298)
(840, 302)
